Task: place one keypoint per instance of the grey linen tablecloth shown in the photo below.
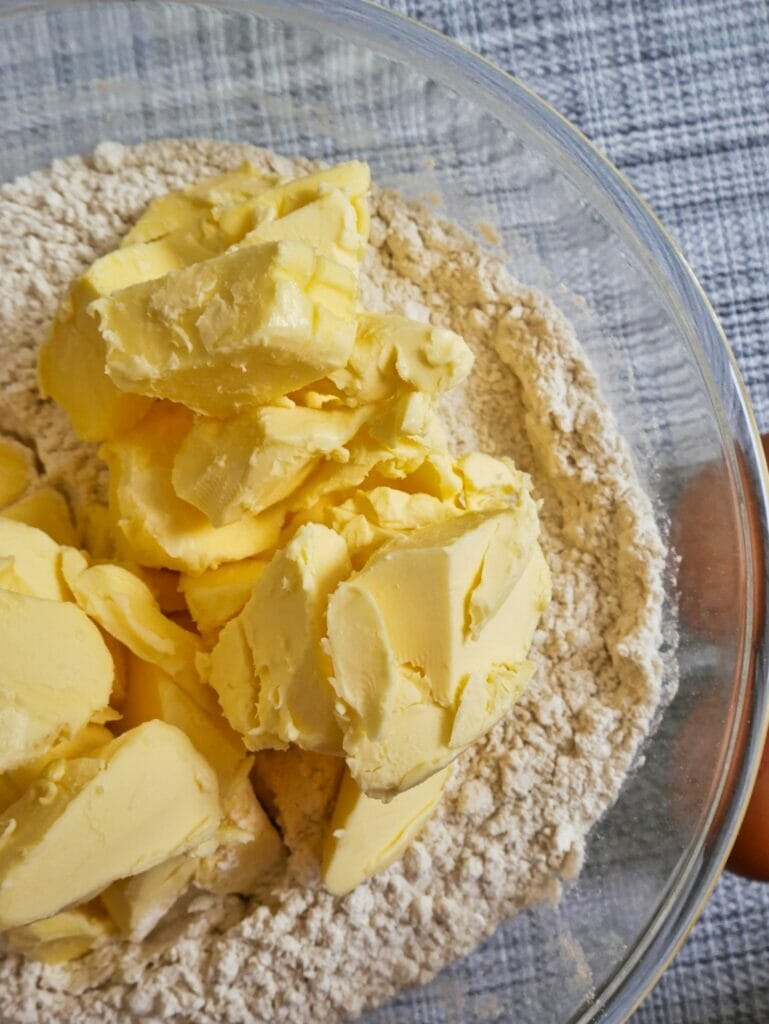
(677, 94)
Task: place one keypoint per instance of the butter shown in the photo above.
(231, 468)
(125, 607)
(96, 533)
(46, 509)
(218, 595)
(155, 527)
(56, 673)
(448, 613)
(164, 585)
(101, 818)
(392, 353)
(35, 566)
(153, 694)
(71, 364)
(268, 666)
(250, 854)
(364, 836)
(65, 936)
(236, 331)
(17, 470)
(298, 789)
(184, 210)
(137, 904)
(328, 209)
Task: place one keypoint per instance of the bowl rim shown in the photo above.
(402, 39)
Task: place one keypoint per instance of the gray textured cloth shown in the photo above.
(676, 94)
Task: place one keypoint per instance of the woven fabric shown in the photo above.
(676, 94)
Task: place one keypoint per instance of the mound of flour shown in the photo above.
(515, 817)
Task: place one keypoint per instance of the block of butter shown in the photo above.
(47, 510)
(184, 209)
(138, 903)
(216, 596)
(35, 561)
(65, 936)
(429, 642)
(48, 690)
(95, 819)
(17, 470)
(232, 468)
(364, 836)
(269, 667)
(154, 526)
(232, 332)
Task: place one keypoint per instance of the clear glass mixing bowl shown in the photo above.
(344, 79)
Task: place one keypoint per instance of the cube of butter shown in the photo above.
(235, 331)
(56, 672)
(144, 798)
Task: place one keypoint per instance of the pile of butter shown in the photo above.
(297, 608)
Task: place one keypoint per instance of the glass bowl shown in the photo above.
(344, 79)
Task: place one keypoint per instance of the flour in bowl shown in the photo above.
(514, 819)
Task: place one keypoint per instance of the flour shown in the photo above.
(514, 820)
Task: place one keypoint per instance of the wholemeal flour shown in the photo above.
(514, 819)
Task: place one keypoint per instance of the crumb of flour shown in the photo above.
(514, 819)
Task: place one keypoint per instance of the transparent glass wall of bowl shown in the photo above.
(72, 77)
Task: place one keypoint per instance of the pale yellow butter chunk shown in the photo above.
(144, 798)
(153, 694)
(364, 836)
(47, 510)
(184, 209)
(268, 667)
(429, 642)
(218, 595)
(333, 224)
(235, 331)
(392, 353)
(71, 367)
(36, 561)
(17, 470)
(244, 465)
(65, 936)
(153, 525)
(55, 673)
(125, 607)
(137, 904)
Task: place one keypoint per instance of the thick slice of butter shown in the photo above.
(448, 613)
(138, 903)
(334, 224)
(71, 362)
(232, 468)
(154, 526)
(65, 936)
(36, 561)
(364, 836)
(144, 798)
(91, 736)
(125, 607)
(233, 332)
(183, 210)
(250, 854)
(47, 510)
(218, 595)
(56, 672)
(153, 694)
(277, 691)
(17, 470)
(298, 789)
(392, 353)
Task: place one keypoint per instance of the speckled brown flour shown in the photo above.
(515, 817)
